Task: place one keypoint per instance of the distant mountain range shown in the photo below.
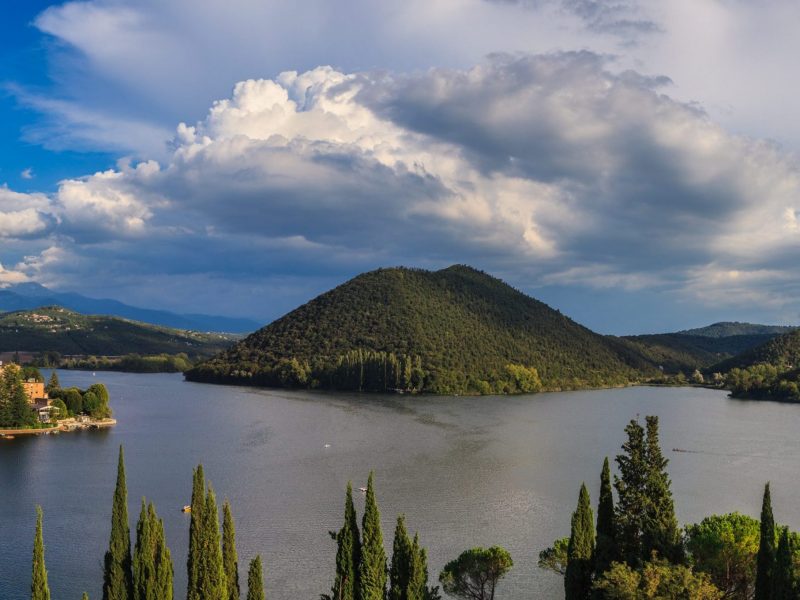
(25, 296)
(57, 329)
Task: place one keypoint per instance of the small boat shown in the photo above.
(363, 490)
(7, 436)
(187, 508)
(327, 445)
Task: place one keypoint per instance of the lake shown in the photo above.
(465, 471)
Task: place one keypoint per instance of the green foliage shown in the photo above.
(39, 588)
(15, 411)
(53, 329)
(211, 582)
(556, 557)
(195, 533)
(452, 331)
(783, 576)
(657, 581)
(660, 533)
(401, 562)
(725, 547)
(230, 558)
(117, 573)
(580, 551)
(152, 563)
(372, 568)
(53, 383)
(92, 402)
(475, 573)
(765, 562)
(132, 363)
(255, 580)
(606, 547)
(348, 553)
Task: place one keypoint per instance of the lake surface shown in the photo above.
(464, 471)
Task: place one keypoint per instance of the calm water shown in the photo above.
(465, 471)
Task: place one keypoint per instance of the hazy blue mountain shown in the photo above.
(25, 296)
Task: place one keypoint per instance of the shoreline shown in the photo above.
(68, 425)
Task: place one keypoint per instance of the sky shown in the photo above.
(633, 163)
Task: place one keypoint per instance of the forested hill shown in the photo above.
(782, 352)
(456, 330)
(56, 329)
(734, 329)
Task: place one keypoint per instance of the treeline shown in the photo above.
(145, 570)
(764, 382)
(636, 551)
(73, 401)
(131, 363)
(368, 371)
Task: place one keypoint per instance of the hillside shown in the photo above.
(726, 329)
(27, 296)
(57, 329)
(451, 331)
(782, 352)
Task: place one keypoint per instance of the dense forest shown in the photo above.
(457, 330)
(56, 329)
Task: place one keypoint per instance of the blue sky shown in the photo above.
(633, 164)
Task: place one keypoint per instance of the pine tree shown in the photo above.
(210, 572)
(401, 562)
(783, 577)
(631, 495)
(255, 580)
(229, 557)
(53, 383)
(765, 561)
(660, 532)
(39, 587)
(117, 575)
(372, 570)
(606, 549)
(348, 553)
(195, 532)
(580, 553)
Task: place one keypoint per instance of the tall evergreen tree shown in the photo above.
(152, 563)
(580, 552)
(783, 577)
(372, 570)
(117, 574)
(255, 580)
(765, 560)
(399, 573)
(195, 532)
(53, 383)
(162, 558)
(606, 549)
(230, 558)
(660, 532)
(418, 574)
(211, 572)
(348, 553)
(39, 587)
(631, 494)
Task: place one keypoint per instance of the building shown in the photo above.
(34, 390)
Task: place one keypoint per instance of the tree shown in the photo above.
(632, 494)
(475, 573)
(348, 552)
(85, 596)
(152, 563)
(255, 580)
(39, 587)
(229, 557)
(195, 533)
(418, 575)
(211, 573)
(765, 560)
(606, 549)
(555, 558)
(372, 569)
(660, 532)
(117, 575)
(580, 551)
(53, 383)
(401, 562)
(656, 581)
(725, 547)
(783, 577)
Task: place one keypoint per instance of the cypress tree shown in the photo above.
(195, 532)
(85, 596)
(580, 552)
(418, 574)
(783, 579)
(372, 570)
(210, 572)
(606, 550)
(348, 553)
(117, 575)
(399, 573)
(229, 557)
(255, 580)
(39, 587)
(143, 566)
(765, 560)
(162, 558)
(660, 532)
(631, 495)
